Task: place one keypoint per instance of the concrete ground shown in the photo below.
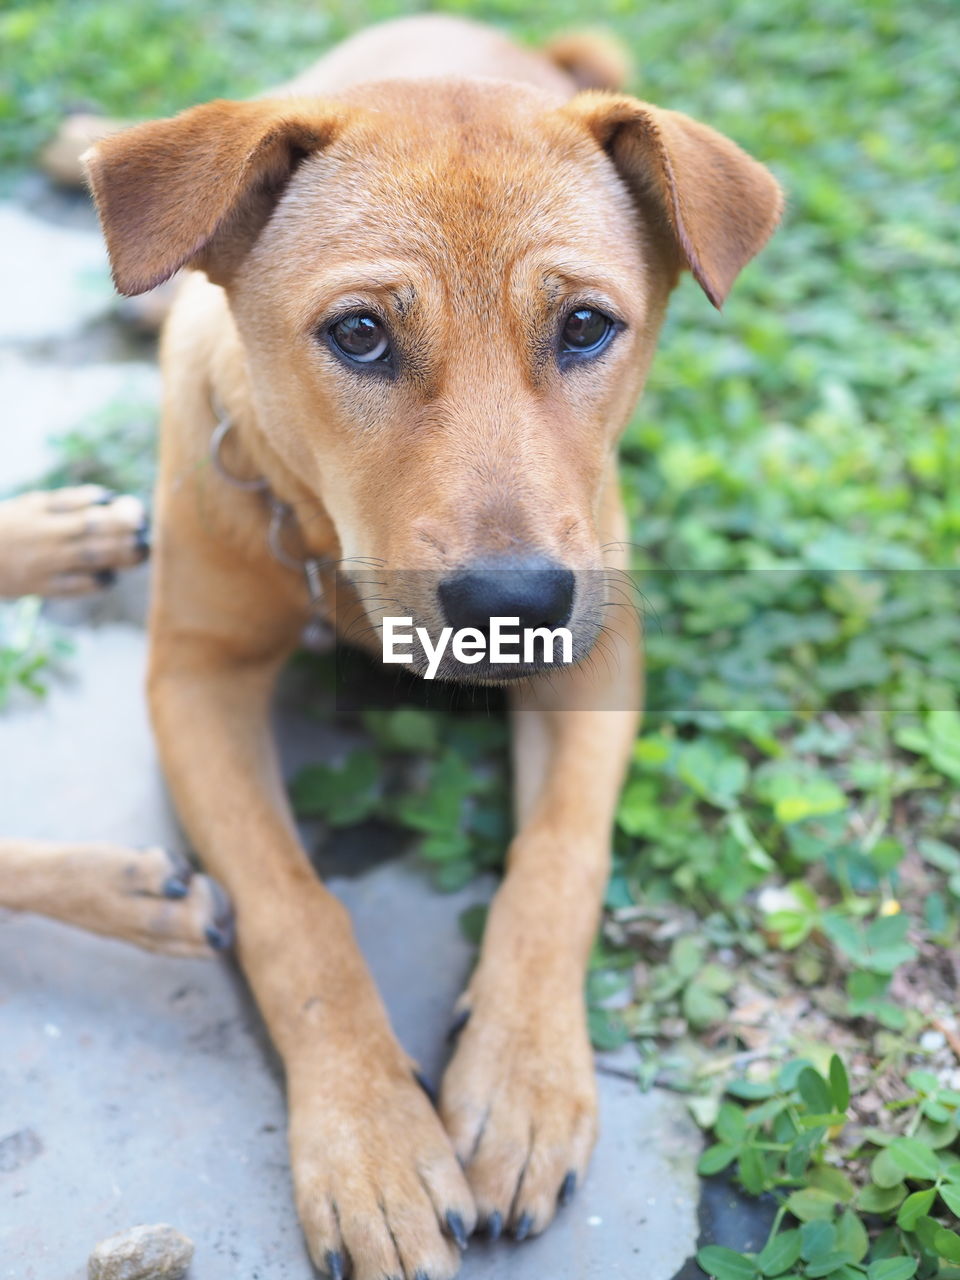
(140, 1089)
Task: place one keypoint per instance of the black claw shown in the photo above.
(220, 933)
(141, 540)
(218, 940)
(522, 1229)
(494, 1226)
(174, 887)
(105, 577)
(334, 1263)
(567, 1187)
(182, 869)
(220, 936)
(427, 1087)
(457, 1229)
(457, 1025)
(105, 498)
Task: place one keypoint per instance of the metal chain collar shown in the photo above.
(280, 514)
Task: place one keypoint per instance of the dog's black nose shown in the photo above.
(536, 591)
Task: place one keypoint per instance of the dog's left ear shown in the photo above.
(720, 205)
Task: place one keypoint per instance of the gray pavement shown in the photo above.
(136, 1088)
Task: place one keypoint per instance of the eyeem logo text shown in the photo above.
(506, 642)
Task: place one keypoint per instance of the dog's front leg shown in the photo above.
(378, 1187)
(519, 1097)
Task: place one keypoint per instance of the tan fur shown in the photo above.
(592, 59)
(719, 205)
(143, 896)
(471, 209)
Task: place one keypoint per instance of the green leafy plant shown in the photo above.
(851, 1203)
(116, 448)
(30, 650)
(439, 778)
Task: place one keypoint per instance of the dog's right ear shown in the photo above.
(198, 188)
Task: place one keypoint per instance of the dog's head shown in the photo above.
(448, 295)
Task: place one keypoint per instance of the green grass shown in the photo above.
(791, 822)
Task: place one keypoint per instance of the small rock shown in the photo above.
(931, 1041)
(142, 1253)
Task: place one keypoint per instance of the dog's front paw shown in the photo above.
(149, 897)
(379, 1191)
(519, 1101)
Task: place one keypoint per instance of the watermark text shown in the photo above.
(505, 642)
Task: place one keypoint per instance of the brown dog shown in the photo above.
(427, 308)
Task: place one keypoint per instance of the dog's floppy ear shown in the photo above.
(719, 204)
(197, 188)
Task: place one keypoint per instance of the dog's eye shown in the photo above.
(585, 331)
(361, 338)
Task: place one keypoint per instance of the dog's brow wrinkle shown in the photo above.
(404, 299)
